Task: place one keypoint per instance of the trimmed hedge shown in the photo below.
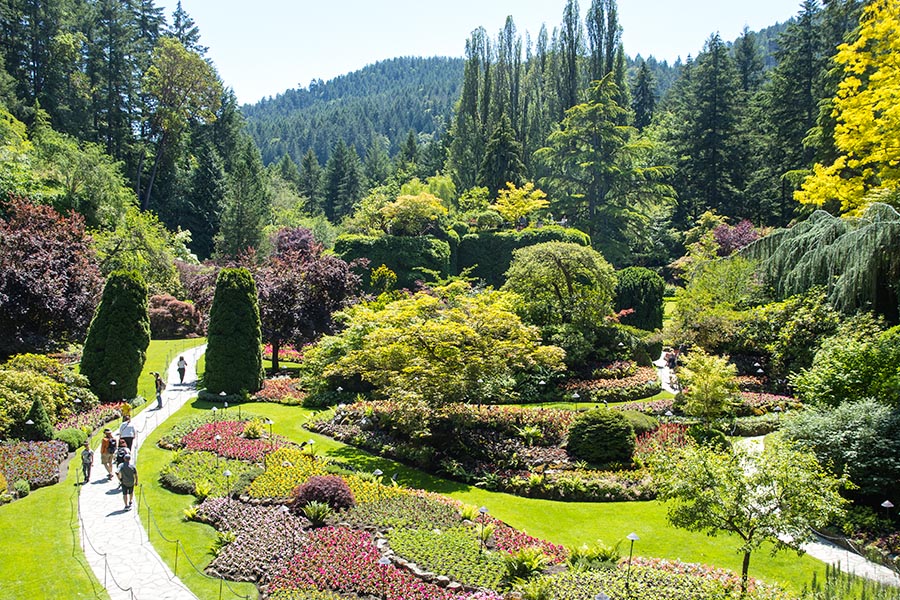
(602, 436)
(405, 256)
(642, 290)
(234, 347)
(117, 340)
(489, 253)
(72, 437)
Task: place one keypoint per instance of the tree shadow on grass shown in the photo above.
(406, 476)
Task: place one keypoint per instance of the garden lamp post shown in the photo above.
(632, 537)
(218, 438)
(575, 397)
(227, 474)
(887, 505)
(215, 411)
(383, 562)
(777, 409)
(542, 383)
(222, 396)
(283, 511)
(483, 511)
(378, 473)
(112, 390)
(310, 443)
(270, 422)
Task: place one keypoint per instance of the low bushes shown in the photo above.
(455, 552)
(72, 438)
(329, 489)
(602, 436)
(198, 473)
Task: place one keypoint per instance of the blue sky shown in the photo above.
(264, 47)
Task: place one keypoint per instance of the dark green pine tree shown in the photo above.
(408, 156)
(205, 195)
(186, 31)
(288, 171)
(117, 340)
(343, 182)
(749, 61)
(234, 339)
(644, 97)
(502, 162)
(377, 166)
(310, 184)
(40, 429)
(467, 135)
(245, 207)
(709, 140)
(620, 77)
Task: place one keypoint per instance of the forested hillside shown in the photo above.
(380, 103)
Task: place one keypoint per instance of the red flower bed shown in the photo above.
(642, 384)
(280, 389)
(512, 540)
(92, 418)
(663, 439)
(346, 561)
(286, 353)
(230, 444)
(655, 407)
(35, 462)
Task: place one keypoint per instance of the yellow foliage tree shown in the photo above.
(867, 109)
(515, 203)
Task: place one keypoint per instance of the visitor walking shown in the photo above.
(128, 477)
(107, 452)
(87, 460)
(182, 366)
(123, 455)
(127, 432)
(160, 387)
(125, 409)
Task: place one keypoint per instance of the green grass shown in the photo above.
(663, 395)
(565, 523)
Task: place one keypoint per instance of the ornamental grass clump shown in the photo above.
(328, 489)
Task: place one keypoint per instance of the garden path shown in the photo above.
(832, 554)
(666, 375)
(113, 539)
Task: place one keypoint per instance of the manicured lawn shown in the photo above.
(560, 522)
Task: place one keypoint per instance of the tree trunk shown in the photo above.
(745, 570)
(145, 204)
(276, 346)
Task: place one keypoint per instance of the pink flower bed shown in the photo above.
(507, 539)
(729, 579)
(35, 462)
(346, 561)
(92, 418)
(279, 389)
(655, 407)
(286, 353)
(231, 443)
(663, 439)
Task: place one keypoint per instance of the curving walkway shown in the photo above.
(113, 539)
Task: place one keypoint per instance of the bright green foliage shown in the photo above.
(489, 254)
(76, 384)
(849, 367)
(18, 392)
(709, 384)
(40, 428)
(414, 215)
(865, 109)
(854, 259)
(775, 496)
(408, 257)
(515, 203)
(116, 344)
(601, 436)
(562, 283)
(73, 438)
(858, 438)
(234, 350)
(433, 346)
(642, 291)
(143, 244)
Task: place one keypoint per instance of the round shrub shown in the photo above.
(640, 422)
(22, 488)
(707, 436)
(73, 438)
(642, 291)
(602, 436)
(330, 489)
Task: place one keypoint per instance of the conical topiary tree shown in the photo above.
(116, 344)
(234, 339)
(39, 428)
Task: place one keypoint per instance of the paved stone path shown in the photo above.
(832, 554)
(666, 375)
(114, 540)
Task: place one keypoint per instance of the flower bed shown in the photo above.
(286, 353)
(93, 418)
(231, 444)
(581, 485)
(662, 440)
(511, 540)
(283, 390)
(657, 579)
(656, 408)
(265, 540)
(454, 552)
(404, 510)
(199, 473)
(753, 403)
(174, 438)
(35, 462)
(286, 468)
(642, 384)
(346, 561)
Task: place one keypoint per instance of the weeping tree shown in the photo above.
(856, 260)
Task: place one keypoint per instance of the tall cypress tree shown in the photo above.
(234, 340)
(117, 340)
(570, 49)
